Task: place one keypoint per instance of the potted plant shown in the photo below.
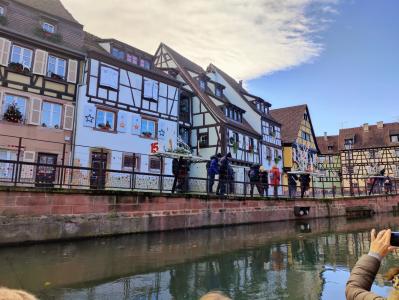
(147, 134)
(56, 76)
(52, 37)
(13, 114)
(16, 67)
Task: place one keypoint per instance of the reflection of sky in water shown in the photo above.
(335, 281)
(265, 261)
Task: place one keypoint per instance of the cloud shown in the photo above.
(246, 38)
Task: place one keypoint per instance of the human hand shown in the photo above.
(381, 243)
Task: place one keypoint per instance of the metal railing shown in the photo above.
(67, 172)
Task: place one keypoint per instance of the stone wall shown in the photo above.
(27, 216)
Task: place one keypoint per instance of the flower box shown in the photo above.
(147, 134)
(52, 37)
(18, 68)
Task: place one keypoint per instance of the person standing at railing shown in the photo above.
(292, 182)
(223, 174)
(275, 179)
(305, 183)
(254, 179)
(264, 181)
(212, 170)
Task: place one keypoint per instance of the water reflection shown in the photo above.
(285, 260)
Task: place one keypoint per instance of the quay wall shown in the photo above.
(28, 215)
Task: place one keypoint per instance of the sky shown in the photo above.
(338, 56)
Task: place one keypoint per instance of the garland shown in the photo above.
(13, 114)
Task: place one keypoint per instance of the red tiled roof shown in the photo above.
(326, 142)
(290, 118)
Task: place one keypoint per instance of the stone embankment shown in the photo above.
(28, 215)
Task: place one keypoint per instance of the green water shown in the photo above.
(284, 260)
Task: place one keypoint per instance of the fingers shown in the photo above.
(392, 249)
(380, 234)
(387, 237)
(372, 235)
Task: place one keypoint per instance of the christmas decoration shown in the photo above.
(13, 114)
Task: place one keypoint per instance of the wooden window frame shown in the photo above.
(43, 25)
(58, 58)
(120, 51)
(392, 136)
(155, 127)
(22, 47)
(106, 111)
(3, 100)
(155, 170)
(137, 163)
(51, 117)
(200, 135)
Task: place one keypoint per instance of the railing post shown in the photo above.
(100, 170)
(323, 187)
(161, 176)
(17, 164)
(313, 187)
(61, 176)
(132, 177)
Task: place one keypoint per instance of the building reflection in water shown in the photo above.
(247, 262)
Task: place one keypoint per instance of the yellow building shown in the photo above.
(300, 147)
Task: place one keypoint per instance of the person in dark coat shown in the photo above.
(213, 170)
(223, 174)
(292, 181)
(175, 171)
(264, 181)
(305, 183)
(180, 168)
(254, 179)
(231, 182)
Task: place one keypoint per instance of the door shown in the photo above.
(98, 172)
(45, 175)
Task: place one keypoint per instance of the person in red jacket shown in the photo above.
(275, 179)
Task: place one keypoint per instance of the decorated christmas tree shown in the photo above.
(13, 114)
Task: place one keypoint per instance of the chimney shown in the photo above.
(366, 127)
(325, 135)
(380, 125)
(240, 83)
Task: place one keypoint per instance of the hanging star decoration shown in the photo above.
(161, 132)
(89, 118)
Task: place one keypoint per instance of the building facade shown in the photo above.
(41, 58)
(300, 149)
(125, 108)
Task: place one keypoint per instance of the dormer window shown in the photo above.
(305, 117)
(132, 58)
(202, 84)
(330, 148)
(219, 92)
(47, 27)
(395, 138)
(118, 53)
(348, 143)
(2, 11)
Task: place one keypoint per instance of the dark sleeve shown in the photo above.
(361, 279)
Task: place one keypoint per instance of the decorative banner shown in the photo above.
(167, 135)
(136, 124)
(154, 147)
(89, 116)
(162, 130)
(122, 121)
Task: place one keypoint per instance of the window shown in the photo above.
(305, 117)
(19, 102)
(132, 58)
(373, 153)
(51, 115)
(218, 92)
(120, 54)
(2, 11)
(202, 84)
(56, 67)
(330, 148)
(47, 27)
(131, 160)
(395, 138)
(21, 56)
(145, 64)
(268, 153)
(305, 136)
(203, 140)
(184, 134)
(154, 164)
(105, 120)
(6, 169)
(148, 128)
(251, 146)
(109, 77)
(151, 88)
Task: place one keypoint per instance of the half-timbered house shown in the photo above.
(41, 56)
(125, 108)
(300, 147)
(256, 113)
(219, 124)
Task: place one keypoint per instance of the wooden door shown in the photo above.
(45, 174)
(98, 172)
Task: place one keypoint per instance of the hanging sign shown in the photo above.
(136, 124)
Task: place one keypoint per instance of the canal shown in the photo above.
(282, 260)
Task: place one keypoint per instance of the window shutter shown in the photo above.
(35, 111)
(69, 111)
(29, 156)
(27, 170)
(72, 70)
(5, 46)
(39, 66)
(1, 105)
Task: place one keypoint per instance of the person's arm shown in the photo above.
(364, 272)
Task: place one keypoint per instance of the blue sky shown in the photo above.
(355, 79)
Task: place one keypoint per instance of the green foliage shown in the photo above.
(52, 37)
(13, 114)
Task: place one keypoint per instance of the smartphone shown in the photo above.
(395, 239)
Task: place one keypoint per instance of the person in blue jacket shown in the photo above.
(213, 169)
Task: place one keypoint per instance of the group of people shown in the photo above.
(259, 177)
(304, 180)
(380, 182)
(220, 165)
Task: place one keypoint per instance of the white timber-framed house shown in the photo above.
(218, 124)
(125, 107)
